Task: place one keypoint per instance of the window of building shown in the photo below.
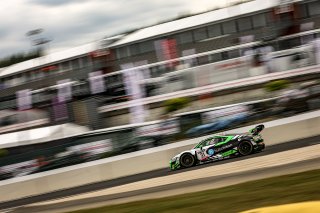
(215, 57)
(40, 74)
(146, 46)
(84, 62)
(75, 64)
(306, 39)
(233, 54)
(185, 37)
(259, 20)
(214, 30)
(154, 72)
(65, 66)
(54, 68)
(244, 24)
(6, 81)
(225, 55)
(229, 27)
(32, 75)
(122, 52)
(114, 79)
(200, 34)
(118, 53)
(17, 79)
(203, 60)
(14, 80)
(23, 78)
(134, 49)
(314, 8)
(303, 11)
(289, 43)
(28, 76)
(269, 17)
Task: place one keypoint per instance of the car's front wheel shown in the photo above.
(245, 148)
(187, 160)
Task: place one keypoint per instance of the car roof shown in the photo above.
(226, 135)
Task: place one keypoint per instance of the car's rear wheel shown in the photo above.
(187, 160)
(245, 148)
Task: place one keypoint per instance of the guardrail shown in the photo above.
(24, 125)
(260, 79)
(24, 141)
(277, 131)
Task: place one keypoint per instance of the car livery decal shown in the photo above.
(229, 138)
(201, 155)
(210, 152)
(222, 148)
(228, 153)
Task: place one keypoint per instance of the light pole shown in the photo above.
(37, 40)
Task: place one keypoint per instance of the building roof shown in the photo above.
(48, 59)
(146, 33)
(40, 135)
(196, 20)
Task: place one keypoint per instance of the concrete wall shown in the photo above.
(278, 131)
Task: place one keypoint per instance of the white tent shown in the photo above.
(40, 135)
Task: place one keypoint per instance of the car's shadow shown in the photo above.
(217, 162)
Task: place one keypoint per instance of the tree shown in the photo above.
(3, 152)
(176, 104)
(19, 57)
(277, 85)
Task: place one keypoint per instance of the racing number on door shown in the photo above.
(201, 154)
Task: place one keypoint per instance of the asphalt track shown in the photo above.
(161, 173)
(182, 187)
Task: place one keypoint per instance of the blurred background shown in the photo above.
(247, 62)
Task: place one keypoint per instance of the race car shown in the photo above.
(218, 147)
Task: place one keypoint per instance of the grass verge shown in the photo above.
(254, 194)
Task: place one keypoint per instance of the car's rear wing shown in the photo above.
(256, 130)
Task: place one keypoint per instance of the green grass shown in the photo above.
(272, 191)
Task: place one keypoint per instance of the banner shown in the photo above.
(132, 80)
(166, 49)
(244, 40)
(145, 70)
(224, 113)
(191, 61)
(169, 47)
(94, 148)
(316, 44)
(24, 99)
(64, 90)
(97, 84)
(21, 169)
(166, 127)
(60, 110)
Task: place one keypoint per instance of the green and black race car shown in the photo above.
(220, 147)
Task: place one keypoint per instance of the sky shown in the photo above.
(70, 23)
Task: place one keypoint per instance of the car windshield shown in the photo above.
(206, 142)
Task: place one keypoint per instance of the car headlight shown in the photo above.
(174, 158)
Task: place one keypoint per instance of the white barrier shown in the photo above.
(260, 79)
(278, 131)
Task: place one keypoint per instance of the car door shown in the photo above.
(215, 145)
(202, 152)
